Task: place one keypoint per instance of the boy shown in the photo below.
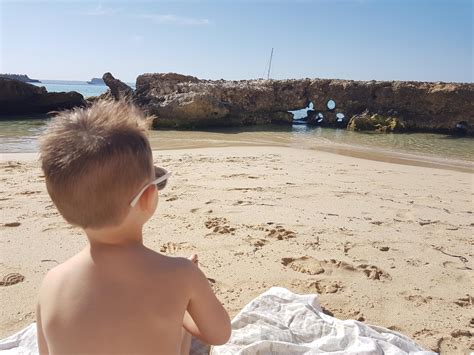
(116, 296)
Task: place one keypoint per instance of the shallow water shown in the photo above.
(20, 136)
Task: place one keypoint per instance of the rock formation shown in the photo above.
(17, 97)
(21, 77)
(187, 102)
(378, 123)
(118, 89)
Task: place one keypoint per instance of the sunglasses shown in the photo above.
(161, 178)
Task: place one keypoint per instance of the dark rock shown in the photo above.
(118, 88)
(21, 77)
(311, 115)
(17, 97)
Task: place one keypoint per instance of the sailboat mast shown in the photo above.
(270, 64)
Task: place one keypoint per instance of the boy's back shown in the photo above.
(120, 301)
(116, 295)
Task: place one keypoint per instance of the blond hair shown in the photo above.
(94, 160)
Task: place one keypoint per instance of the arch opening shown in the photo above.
(331, 104)
(341, 120)
(301, 116)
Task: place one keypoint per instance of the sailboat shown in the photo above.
(269, 64)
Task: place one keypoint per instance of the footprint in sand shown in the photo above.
(373, 272)
(12, 224)
(422, 333)
(347, 247)
(12, 279)
(467, 301)
(312, 266)
(457, 339)
(257, 243)
(243, 203)
(323, 286)
(418, 300)
(219, 225)
(281, 233)
(173, 248)
(11, 164)
(28, 192)
(455, 265)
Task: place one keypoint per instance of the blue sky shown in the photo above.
(425, 40)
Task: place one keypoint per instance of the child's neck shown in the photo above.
(123, 235)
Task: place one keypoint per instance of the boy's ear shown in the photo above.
(146, 199)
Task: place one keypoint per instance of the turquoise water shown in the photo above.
(81, 87)
(21, 135)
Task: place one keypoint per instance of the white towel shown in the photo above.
(281, 322)
(21, 343)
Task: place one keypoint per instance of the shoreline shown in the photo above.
(357, 232)
(358, 152)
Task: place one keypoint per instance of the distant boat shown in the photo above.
(96, 81)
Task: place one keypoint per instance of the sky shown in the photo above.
(422, 40)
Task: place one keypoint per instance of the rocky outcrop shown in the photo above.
(17, 97)
(186, 102)
(105, 96)
(378, 123)
(21, 77)
(118, 89)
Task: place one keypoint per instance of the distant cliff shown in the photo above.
(20, 77)
(96, 81)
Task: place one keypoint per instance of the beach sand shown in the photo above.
(383, 243)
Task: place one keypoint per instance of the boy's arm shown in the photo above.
(207, 318)
(42, 346)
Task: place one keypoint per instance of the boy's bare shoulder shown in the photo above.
(55, 277)
(173, 263)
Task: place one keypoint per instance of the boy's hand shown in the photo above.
(194, 259)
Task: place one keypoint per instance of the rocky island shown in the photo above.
(18, 97)
(21, 77)
(182, 101)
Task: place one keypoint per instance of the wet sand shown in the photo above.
(387, 244)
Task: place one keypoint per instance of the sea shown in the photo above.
(20, 135)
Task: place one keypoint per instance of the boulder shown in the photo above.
(118, 89)
(188, 111)
(377, 123)
(17, 97)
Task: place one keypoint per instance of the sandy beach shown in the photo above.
(383, 243)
